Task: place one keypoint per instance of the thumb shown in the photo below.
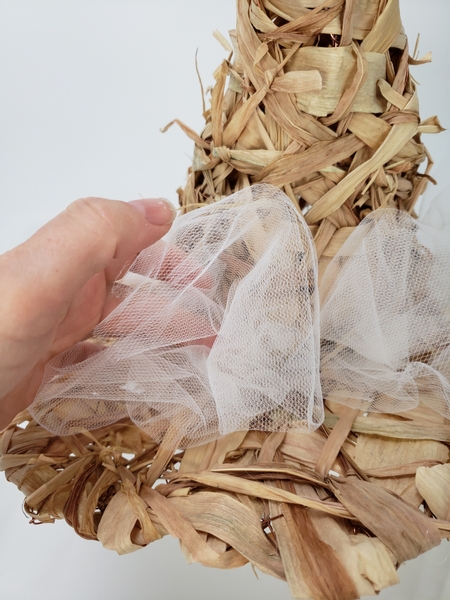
(91, 235)
(40, 278)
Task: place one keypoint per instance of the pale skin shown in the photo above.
(54, 287)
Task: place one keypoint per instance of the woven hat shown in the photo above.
(315, 99)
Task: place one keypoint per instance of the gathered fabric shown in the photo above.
(385, 317)
(220, 327)
(217, 331)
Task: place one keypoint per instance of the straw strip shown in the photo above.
(315, 97)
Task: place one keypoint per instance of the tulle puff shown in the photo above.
(218, 326)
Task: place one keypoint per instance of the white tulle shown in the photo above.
(217, 331)
(218, 326)
(385, 316)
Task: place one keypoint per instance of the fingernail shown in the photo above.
(157, 211)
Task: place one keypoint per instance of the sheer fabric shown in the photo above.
(217, 331)
(218, 326)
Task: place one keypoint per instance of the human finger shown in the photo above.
(41, 278)
(92, 235)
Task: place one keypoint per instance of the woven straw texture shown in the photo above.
(316, 99)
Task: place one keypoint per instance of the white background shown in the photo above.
(85, 87)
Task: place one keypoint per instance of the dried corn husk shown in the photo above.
(317, 99)
(433, 484)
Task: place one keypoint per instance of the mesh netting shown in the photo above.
(217, 331)
(385, 315)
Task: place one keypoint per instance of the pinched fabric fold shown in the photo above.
(219, 327)
(217, 331)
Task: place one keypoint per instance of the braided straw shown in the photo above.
(319, 103)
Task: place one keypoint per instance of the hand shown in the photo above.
(55, 285)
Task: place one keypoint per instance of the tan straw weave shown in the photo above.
(316, 99)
